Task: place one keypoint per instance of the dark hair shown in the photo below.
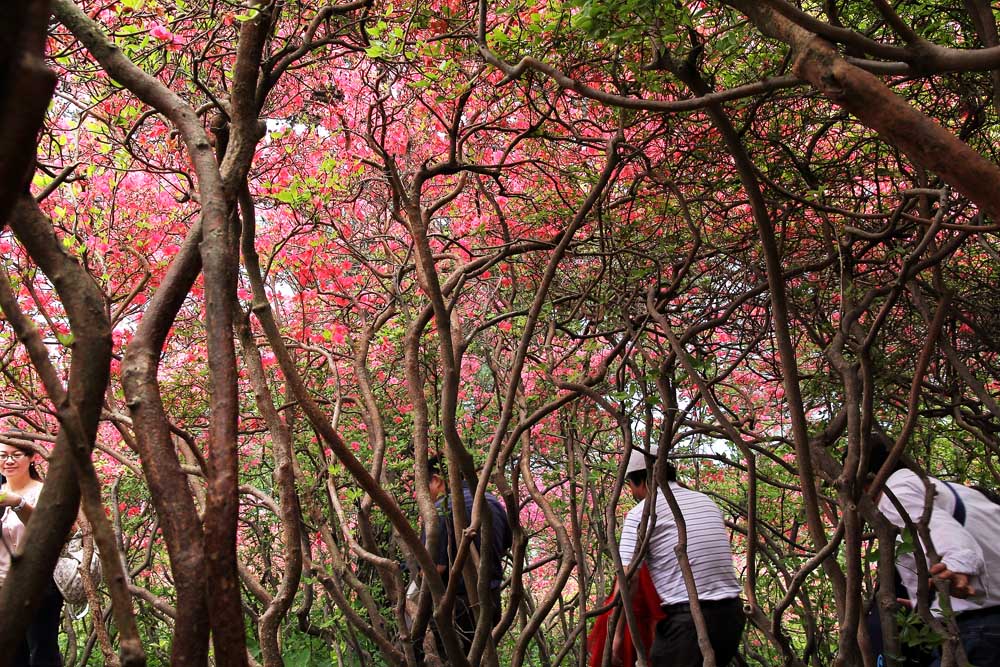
(881, 446)
(435, 466)
(638, 477)
(30, 452)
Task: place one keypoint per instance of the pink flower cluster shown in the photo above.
(162, 33)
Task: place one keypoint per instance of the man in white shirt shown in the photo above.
(711, 559)
(965, 530)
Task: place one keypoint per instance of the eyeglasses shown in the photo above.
(15, 457)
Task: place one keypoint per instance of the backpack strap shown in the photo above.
(959, 515)
(959, 512)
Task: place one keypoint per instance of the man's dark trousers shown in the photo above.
(676, 642)
(980, 633)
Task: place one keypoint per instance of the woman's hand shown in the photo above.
(18, 504)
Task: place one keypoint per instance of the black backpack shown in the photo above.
(913, 656)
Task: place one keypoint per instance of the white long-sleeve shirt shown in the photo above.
(707, 547)
(972, 549)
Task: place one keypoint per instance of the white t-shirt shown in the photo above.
(707, 547)
(13, 530)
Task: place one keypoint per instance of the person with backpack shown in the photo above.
(447, 545)
(964, 528)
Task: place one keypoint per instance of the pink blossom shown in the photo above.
(161, 33)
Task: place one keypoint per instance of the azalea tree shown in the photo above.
(262, 261)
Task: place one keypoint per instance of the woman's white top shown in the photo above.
(13, 530)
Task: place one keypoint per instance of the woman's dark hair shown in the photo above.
(29, 452)
(879, 454)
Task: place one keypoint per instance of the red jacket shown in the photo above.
(647, 610)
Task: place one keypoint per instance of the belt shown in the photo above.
(685, 607)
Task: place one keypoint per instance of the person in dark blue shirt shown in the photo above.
(447, 545)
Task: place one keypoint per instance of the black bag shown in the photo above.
(913, 656)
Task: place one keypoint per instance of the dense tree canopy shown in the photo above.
(261, 260)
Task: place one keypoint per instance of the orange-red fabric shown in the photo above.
(645, 605)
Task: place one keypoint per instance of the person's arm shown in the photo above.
(630, 535)
(962, 561)
(626, 548)
(502, 537)
(15, 500)
(444, 537)
(618, 641)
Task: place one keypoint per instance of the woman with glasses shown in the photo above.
(18, 496)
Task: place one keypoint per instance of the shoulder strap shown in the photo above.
(959, 512)
(504, 528)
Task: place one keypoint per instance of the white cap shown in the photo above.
(637, 459)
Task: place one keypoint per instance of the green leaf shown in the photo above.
(906, 544)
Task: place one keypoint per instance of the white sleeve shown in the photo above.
(630, 535)
(958, 549)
